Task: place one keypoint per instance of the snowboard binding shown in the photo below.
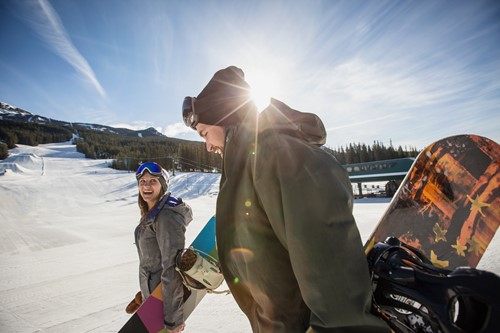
(199, 270)
(414, 296)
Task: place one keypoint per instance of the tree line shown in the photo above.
(32, 134)
(128, 152)
(360, 152)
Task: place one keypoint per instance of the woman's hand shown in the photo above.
(178, 329)
(134, 304)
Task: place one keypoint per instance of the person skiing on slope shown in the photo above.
(287, 241)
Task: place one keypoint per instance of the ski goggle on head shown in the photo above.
(153, 168)
(188, 114)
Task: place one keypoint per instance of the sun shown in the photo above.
(264, 85)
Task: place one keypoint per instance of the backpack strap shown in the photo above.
(173, 201)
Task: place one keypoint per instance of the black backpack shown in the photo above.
(412, 295)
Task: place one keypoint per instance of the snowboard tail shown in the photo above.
(149, 317)
(448, 206)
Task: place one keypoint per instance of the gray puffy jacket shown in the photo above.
(158, 237)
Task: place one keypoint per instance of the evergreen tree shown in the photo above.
(4, 151)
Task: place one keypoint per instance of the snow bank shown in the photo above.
(22, 163)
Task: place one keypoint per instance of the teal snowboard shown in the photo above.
(149, 317)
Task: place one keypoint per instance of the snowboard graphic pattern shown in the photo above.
(448, 205)
(149, 317)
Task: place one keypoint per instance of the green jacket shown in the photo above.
(288, 243)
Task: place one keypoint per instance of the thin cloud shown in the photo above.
(177, 129)
(136, 125)
(48, 25)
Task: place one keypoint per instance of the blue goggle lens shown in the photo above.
(152, 167)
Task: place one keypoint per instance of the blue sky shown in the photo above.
(407, 71)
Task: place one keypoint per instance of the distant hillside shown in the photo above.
(12, 113)
(126, 147)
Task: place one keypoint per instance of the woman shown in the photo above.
(159, 236)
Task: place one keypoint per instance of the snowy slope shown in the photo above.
(67, 258)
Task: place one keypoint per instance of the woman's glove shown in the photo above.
(134, 304)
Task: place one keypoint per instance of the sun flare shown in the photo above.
(264, 85)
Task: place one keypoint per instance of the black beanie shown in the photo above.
(225, 100)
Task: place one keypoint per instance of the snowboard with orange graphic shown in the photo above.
(448, 206)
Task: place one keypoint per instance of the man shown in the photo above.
(288, 244)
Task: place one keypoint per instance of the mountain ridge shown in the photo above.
(13, 113)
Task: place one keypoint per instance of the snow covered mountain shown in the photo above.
(13, 113)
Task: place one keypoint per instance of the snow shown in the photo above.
(67, 258)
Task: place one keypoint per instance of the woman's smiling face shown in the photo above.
(149, 189)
